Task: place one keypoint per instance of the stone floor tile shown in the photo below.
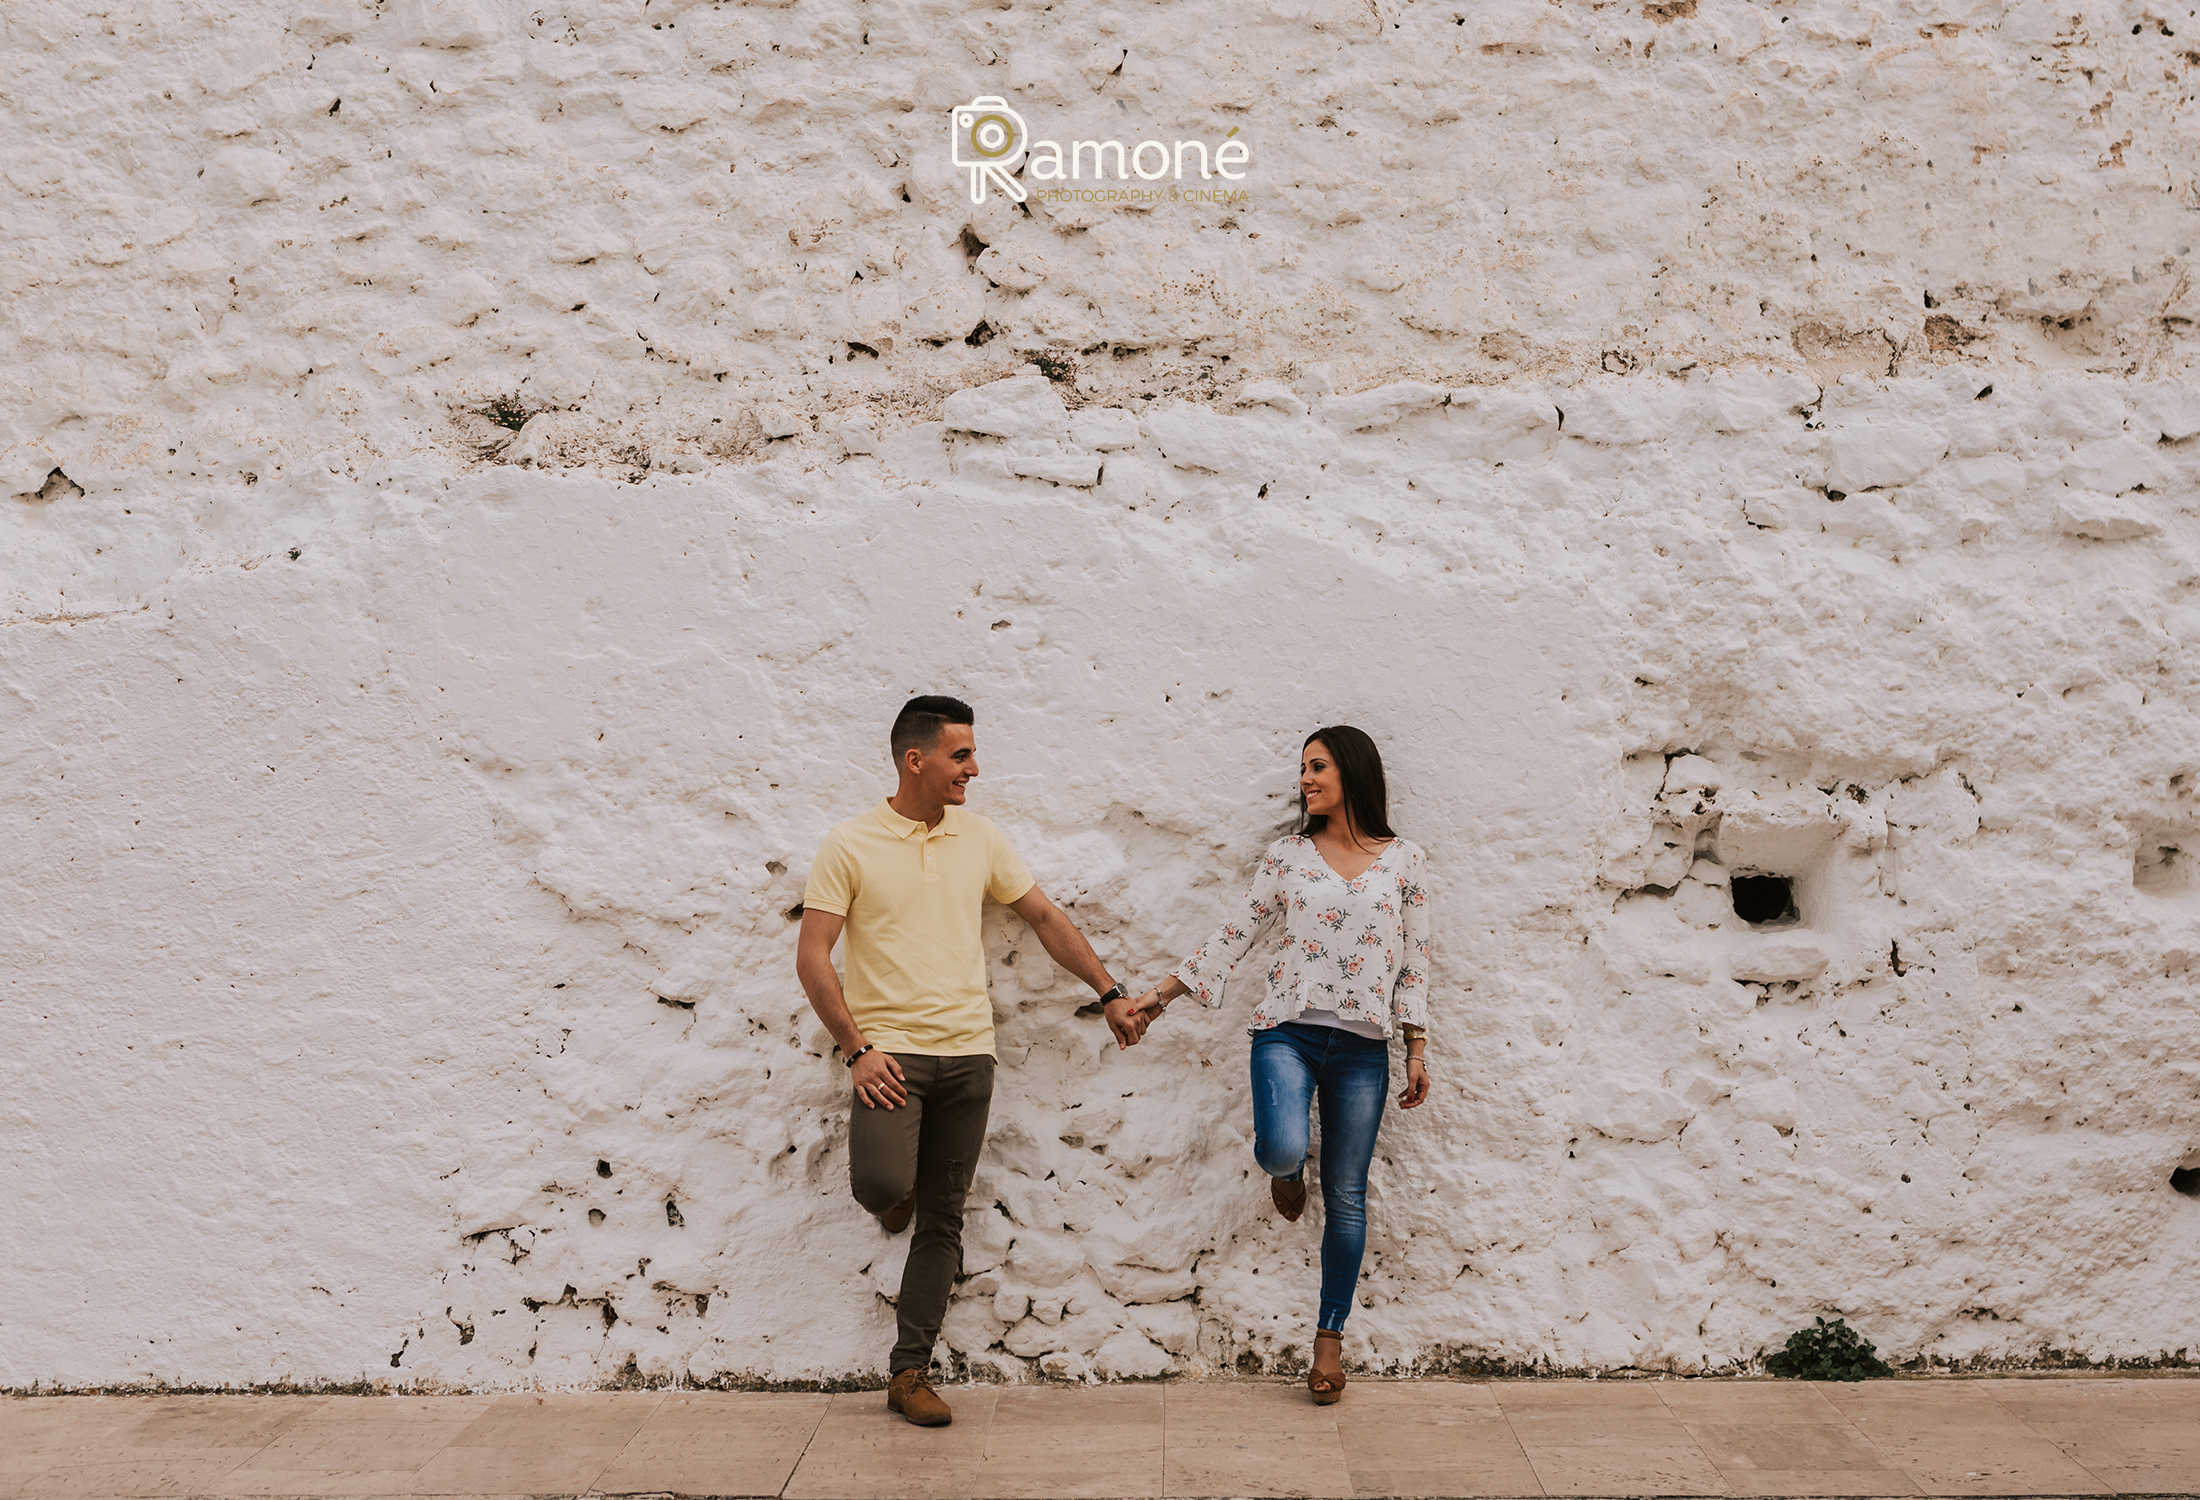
(602, 1419)
(260, 1481)
(1746, 1401)
(1861, 1482)
(714, 1443)
(1074, 1444)
(1616, 1469)
(861, 1448)
(2150, 1479)
(552, 1467)
(26, 1415)
(2110, 1435)
(1959, 1461)
(496, 1495)
(1517, 1395)
(1450, 1395)
(1252, 1440)
(1406, 1443)
(168, 1474)
(1584, 1424)
(19, 1479)
(1786, 1445)
(369, 1434)
(1954, 1399)
(2087, 1387)
(146, 1425)
(1204, 1397)
(24, 1459)
(2029, 1403)
(2100, 1446)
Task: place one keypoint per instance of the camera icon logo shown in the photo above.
(987, 140)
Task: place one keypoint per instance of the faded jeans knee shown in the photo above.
(1281, 1153)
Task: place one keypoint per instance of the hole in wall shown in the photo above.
(2186, 1180)
(2160, 868)
(1764, 900)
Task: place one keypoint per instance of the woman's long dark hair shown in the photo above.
(1360, 773)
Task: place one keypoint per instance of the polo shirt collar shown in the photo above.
(901, 827)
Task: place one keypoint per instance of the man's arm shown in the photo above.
(876, 1075)
(1067, 947)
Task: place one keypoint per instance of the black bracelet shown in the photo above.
(1114, 994)
(866, 1047)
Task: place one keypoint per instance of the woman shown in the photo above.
(1354, 967)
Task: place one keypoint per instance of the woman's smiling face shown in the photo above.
(1320, 783)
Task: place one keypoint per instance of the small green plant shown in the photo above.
(1831, 1351)
(1056, 366)
(506, 411)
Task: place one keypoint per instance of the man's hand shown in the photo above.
(1127, 1021)
(878, 1080)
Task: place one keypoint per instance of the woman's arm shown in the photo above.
(1211, 963)
(1150, 1005)
(1409, 995)
(1409, 991)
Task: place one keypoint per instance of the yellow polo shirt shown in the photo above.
(914, 968)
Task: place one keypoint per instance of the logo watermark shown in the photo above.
(990, 141)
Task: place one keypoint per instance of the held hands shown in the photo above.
(1416, 1083)
(878, 1080)
(1129, 1018)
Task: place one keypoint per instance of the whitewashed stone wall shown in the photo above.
(484, 476)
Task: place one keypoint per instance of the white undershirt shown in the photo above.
(1312, 1017)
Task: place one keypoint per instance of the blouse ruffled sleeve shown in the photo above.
(1210, 964)
(1409, 993)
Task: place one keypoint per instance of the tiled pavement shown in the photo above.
(2009, 1436)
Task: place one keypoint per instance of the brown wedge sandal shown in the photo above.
(1289, 1196)
(1327, 1388)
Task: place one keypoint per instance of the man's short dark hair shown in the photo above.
(918, 725)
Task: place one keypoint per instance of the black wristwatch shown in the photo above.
(1115, 994)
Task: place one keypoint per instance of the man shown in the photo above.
(908, 882)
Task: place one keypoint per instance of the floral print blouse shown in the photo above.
(1355, 947)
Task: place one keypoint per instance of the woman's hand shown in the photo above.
(1416, 1083)
(1126, 1018)
(1136, 1015)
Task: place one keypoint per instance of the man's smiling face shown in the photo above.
(944, 771)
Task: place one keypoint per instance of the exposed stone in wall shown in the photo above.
(465, 548)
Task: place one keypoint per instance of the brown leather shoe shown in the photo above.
(912, 1395)
(896, 1219)
(1289, 1196)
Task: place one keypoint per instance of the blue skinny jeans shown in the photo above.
(1293, 1066)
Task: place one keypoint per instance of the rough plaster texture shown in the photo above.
(484, 475)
